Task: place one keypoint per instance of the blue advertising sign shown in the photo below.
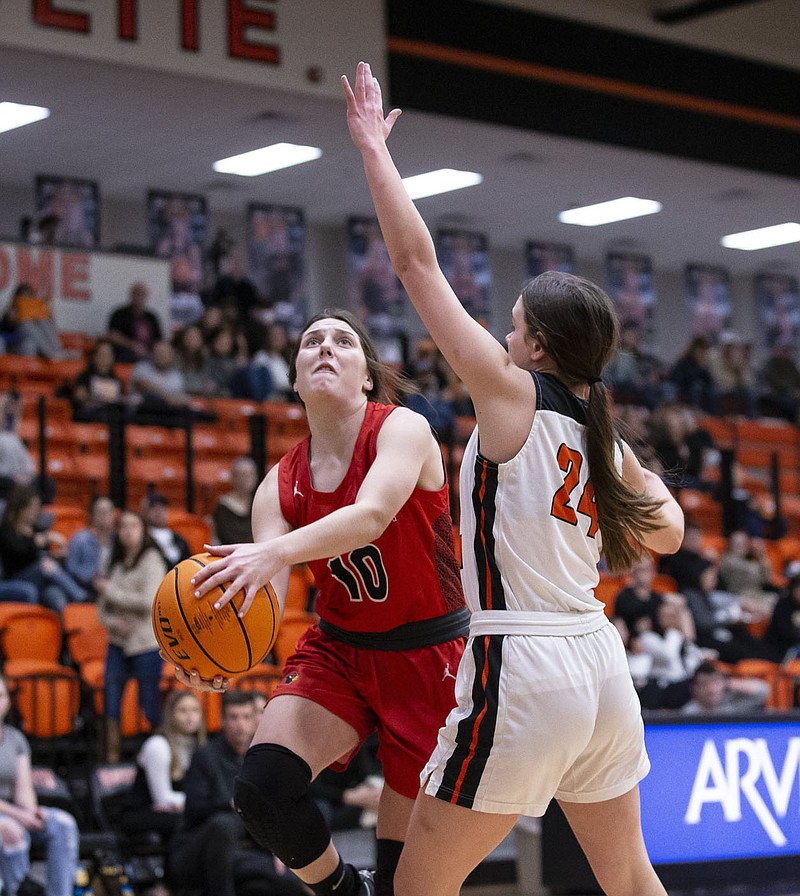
(722, 790)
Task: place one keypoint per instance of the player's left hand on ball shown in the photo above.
(241, 567)
(192, 679)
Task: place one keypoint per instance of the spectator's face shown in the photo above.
(130, 532)
(104, 357)
(5, 700)
(239, 725)
(157, 515)
(708, 689)
(188, 714)
(244, 477)
(103, 515)
(163, 357)
(642, 573)
(139, 296)
(739, 544)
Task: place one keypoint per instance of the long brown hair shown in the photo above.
(387, 383)
(575, 322)
(169, 728)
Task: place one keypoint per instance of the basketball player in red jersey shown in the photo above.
(363, 500)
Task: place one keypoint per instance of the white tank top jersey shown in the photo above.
(530, 538)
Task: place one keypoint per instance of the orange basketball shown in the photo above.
(215, 642)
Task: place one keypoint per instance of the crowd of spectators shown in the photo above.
(718, 609)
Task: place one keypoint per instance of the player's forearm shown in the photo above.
(407, 238)
(343, 530)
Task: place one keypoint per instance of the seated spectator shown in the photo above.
(28, 551)
(720, 620)
(714, 692)
(124, 606)
(680, 445)
(674, 653)
(783, 632)
(133, 329)
(432, 402)
(172, 545)
(157, 799)
(745, 570)
(89, 550)
(637, 603)
(272, 355)
(32, 317)
(97, 386)
(16, 463)
(185, 305)
(23, 822)
(349, 799)
(689, 561)
(158, 388)
(231, 518)
(691, 376)
(634, 375)
(234, 291)
(734, 378)
(755, 514)
(212, 852)
(192, 359)
(780, 383)
(227, 363)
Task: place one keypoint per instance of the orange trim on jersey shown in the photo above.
(476, 727)
(487, 576)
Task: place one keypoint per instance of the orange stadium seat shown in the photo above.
(293, 626)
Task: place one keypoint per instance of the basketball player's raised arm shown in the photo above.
(667, 538)
(474, 354)
(406, 451)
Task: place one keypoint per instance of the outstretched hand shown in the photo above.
(365, 118)
(240, 567)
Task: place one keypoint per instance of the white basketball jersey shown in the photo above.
(530, 539)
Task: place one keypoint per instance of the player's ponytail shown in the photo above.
(575, 322)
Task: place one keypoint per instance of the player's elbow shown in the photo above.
(375, 521)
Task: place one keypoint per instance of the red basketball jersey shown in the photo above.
(408, 574)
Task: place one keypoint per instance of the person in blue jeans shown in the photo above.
(24, 822)
(28, 552)
(124, 605)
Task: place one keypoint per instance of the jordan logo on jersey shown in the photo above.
(447, 673)
(297, 491)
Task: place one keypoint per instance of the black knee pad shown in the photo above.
(271, 795)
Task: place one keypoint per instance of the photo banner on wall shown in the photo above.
(630, 286)
(708, 292)
(376, 294)
(73, 206)
(177, 224)
(778, 301)
(541, 257)
(464, 259)
(276, 244)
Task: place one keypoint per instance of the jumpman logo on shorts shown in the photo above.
(447, 673)
(297, 490)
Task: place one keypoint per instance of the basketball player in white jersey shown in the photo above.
(546, 706)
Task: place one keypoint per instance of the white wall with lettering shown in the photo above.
(85, 286)
(260, 42)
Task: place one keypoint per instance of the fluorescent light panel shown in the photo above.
(15, 115)
(444, 180)
(266, 159)
(764, 237)
(606, 212)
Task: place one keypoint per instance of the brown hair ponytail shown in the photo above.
(576, 323)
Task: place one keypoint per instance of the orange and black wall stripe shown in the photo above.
(515, 67)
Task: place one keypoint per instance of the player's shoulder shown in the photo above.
(403, 422)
